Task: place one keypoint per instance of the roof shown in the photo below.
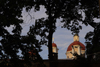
(76, 43)
(54, 45)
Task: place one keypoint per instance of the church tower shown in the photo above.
(54, 51)
(54, 48)
(75, 47)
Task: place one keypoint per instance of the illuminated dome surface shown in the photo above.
(54, 45)
(75, 43)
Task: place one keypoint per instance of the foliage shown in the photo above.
(92, 11)
(70, 11)
(11, 42)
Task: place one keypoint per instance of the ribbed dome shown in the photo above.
(54, 45)
(76, 43)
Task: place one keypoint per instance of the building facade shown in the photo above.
(75, 47)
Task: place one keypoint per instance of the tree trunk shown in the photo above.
(50, 36)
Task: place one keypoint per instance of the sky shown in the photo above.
(62, 37)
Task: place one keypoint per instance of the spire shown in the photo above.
(53, 40)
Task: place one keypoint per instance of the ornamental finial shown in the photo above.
(53, 39)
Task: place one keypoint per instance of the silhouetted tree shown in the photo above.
(11, 42)
(56, 9)
(93, 48)
(70, 11)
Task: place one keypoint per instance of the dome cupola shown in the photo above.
(54, 48)
(75, 47)
(76, 43)
(54, 45)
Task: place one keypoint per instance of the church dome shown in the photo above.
(54, 45)
(75, 43)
